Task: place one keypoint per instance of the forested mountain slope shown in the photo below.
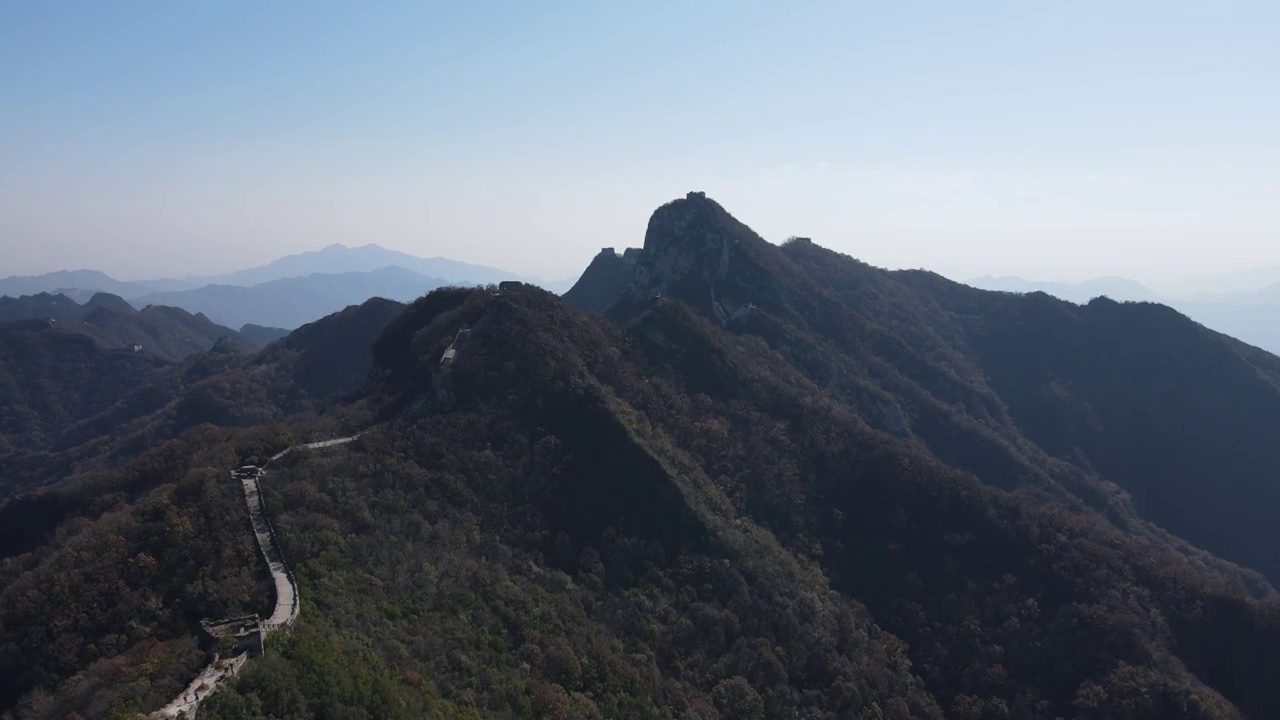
(168, 332)
(67, 402)
(120, 530)
(636, 462)
(1110, 402)
(768, 482)
(51, 379)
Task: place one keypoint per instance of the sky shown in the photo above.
(1053, 140)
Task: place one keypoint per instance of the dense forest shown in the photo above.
(767, 481)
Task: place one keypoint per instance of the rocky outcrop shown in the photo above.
(604, 280)
(696, 251)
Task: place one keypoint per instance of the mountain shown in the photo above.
(1251, 315)
(603, 280)
(168, 332)
(50, 379)
(76, 283)
(331, 356)
(335, 259)
(69, 403)
(338, 259)
(59, 307)
(261, 336)
(16, 286)
(1116, 288)
(109, 303)
(768, 481)
(292, 302)
(40, 305)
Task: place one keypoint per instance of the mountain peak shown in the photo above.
(604, 280)
(695, 250)
(226, 345)
(111, 302)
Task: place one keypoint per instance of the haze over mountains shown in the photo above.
(365, 258)
(767, 456)
(1245, 305)
(1116, 288)
(298, 289)
(285, 293)
(749, 481)
(294, 301)
(333, 259)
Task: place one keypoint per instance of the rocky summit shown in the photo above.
(603, 281)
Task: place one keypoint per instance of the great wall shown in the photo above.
(247, 635)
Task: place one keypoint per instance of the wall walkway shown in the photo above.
(286, 608)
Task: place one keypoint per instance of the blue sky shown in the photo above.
(1049, 139)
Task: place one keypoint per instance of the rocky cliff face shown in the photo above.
(697, 252)
(603, 281)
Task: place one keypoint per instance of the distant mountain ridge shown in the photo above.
(285, 293)
(85, 281)
(333, 259)
(39, 305)
(168, 332)
(1116, 288)
(292, 302)
(1251, 314)
(338, 258)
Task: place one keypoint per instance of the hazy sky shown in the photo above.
(1049, 139)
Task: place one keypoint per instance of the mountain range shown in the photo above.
(287, 292)
(334, 259)
(719, 479)
(294, 301)
(169, 332)
(1116, 288)
(1249, 313)
(365, 258)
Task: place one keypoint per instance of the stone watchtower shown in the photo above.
(236, 635)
